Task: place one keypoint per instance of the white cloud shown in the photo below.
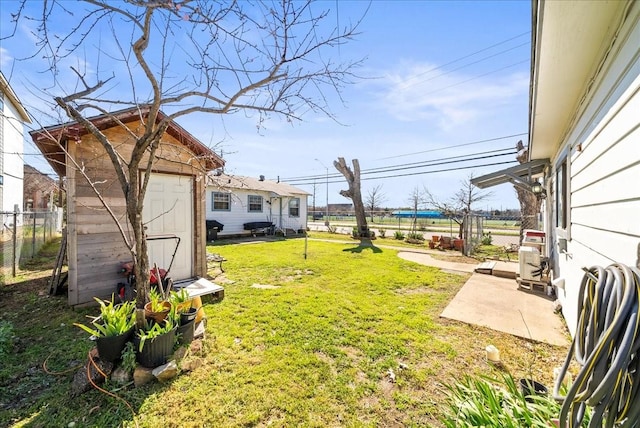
(420, 93)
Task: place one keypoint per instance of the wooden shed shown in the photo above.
(174, 203)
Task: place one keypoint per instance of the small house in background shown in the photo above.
(13, 116)
(174, 204)
(40, 191)
(239, 203)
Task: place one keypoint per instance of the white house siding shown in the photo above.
(11, 148)
(604, 171)
(234, 219)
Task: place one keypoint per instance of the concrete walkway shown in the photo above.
(498, 303)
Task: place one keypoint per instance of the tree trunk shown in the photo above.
(354, 193)
(529, 202)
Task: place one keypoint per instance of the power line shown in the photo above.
(467, 56)
(421, 164)
(419, 173)
(463, 66)
(455, 146)
(444, 161)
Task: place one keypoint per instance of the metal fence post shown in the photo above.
(33, 237)
(15, 244)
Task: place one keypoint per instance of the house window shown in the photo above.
(255, 204)
(294, 207)
(561, 195)
(221, 201)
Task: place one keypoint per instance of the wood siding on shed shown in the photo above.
(96, 247)
(604, 170)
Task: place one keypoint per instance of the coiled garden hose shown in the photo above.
(606, 345)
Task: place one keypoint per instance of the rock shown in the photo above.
(81, 382)
(142, 376)
(180, 353)
(191, 363)
(196, 347)
(166, 372)
(121, 376)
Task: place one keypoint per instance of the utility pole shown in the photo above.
(326, 208)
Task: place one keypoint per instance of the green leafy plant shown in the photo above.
(157, 301)
(483, 401)
(487, 239)
(114, 319)
(152, 329)
(129, 357)
(382, 232)
(181, 296)
(6, 338)
(398, 235)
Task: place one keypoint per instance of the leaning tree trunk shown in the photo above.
(354, 193)
(529, 202)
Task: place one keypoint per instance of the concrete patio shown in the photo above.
(496, 302)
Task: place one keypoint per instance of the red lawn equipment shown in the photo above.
(127, 291)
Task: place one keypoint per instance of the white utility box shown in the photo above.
(529, 263)
(535, 239)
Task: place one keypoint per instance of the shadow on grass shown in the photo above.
(365, 244)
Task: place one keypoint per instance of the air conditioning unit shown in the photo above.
(530, 264)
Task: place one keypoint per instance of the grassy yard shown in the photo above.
(349, 336)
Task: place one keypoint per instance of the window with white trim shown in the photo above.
(220, 201)
(561, 192)
(254, 203)
(294, 207)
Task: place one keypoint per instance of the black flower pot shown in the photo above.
(186, 332)
(156, 351)
(188, 316)
(110, 348)
(530, 387)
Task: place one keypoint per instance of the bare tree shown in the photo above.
(461, 203)
(529, 202)
(374, 198)
(417, 199)
(354, 193)
(261, 57)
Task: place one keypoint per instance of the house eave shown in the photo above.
(570, 36)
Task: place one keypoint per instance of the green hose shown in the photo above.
(606, 345)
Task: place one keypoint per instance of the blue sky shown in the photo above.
(442, 79)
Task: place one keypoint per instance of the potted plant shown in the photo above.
(154, 342)
(112, 328)
(180, 300)
(157, 308)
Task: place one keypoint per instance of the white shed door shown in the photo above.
(168, 210)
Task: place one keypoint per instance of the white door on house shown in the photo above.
(168, 210)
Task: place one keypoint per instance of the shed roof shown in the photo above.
(226, 181)
(47, 138)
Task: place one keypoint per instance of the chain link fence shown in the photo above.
(500, 235)
(22, 236)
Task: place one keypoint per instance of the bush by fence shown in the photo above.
(22, 236)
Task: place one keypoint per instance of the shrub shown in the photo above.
(382, 232)
(399, 235)
(495, 402)
(354, 232)
(415, 236)
(487, 239)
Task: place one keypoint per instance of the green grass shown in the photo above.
(316, 351)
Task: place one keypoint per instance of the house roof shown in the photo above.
(47, 138)
(519, 175)
(13, 98)
(569, 40)
(226, 181)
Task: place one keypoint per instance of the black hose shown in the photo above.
(606, 345)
